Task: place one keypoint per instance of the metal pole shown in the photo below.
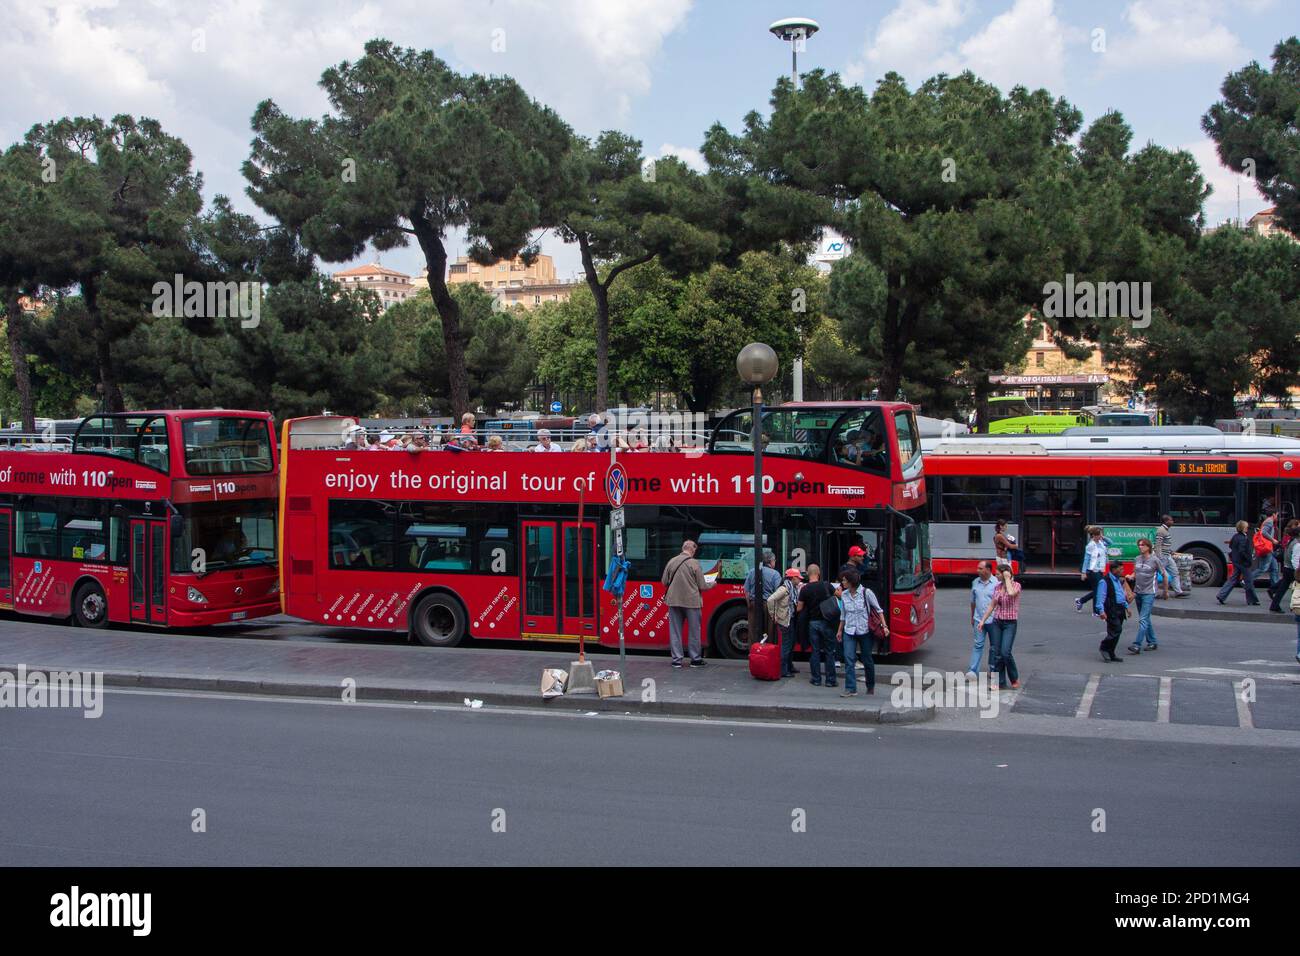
(622, 648)
(757, 435)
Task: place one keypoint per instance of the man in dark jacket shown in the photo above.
(1242, 555)
(1112, 606)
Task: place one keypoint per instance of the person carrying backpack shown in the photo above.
(781, 605)
(818, 602)
(1266, 542)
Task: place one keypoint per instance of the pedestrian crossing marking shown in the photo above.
(1165, 700)
(1089, 694)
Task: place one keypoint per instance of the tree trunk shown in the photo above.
(601, 294)
(435, 258)
(108, 385)
(891, 349)
(16, 329)
(982, 389)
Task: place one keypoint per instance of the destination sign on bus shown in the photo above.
(1203, 466)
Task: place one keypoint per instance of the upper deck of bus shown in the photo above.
(186, 455)
(815, 455)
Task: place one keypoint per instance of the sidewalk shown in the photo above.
(722, 689)
(1201, 605)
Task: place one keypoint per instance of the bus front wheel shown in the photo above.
(731, 633)
(89, 609)
(1207, 570)
(438, 621)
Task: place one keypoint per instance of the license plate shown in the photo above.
(239, 615)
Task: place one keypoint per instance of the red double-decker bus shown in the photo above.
(164, 518)
(453, 544)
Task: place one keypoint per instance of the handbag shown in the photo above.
(876, 623)
(830, 609)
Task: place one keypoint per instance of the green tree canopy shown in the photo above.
(414, 149)
(1257, 128)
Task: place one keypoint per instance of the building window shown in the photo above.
(1038, 359)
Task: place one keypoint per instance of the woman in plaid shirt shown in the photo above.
(1000, 620)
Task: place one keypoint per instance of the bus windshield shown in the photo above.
(229, 534)
(227, 446)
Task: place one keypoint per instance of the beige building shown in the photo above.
(1265, 223)
(510, 281)
(390, 285)
(1050, 379)
(504, 274)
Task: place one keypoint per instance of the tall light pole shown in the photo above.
(795, 31)
(757, 366)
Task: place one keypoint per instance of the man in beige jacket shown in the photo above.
(684, 581)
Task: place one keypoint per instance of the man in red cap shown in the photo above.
(857, 558)
(782, 606)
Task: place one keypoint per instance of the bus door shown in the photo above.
(555, 606)
(835, 554)
(1269, 494)
(148, 571)
(6, 554)
(1052, 522)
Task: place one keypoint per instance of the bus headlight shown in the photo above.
(915, 619)
(196, 596)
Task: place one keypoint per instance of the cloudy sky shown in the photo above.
(663, 70)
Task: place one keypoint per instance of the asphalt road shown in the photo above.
(295, 782)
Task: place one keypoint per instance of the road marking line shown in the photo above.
(1245, 720)
(1229, 672)
(1164, 700)
(1268, 663)
(1089, 692)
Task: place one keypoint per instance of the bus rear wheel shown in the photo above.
(731, 633)
(89, 608)
(438, 621)
(1207, 569)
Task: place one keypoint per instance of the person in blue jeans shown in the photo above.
(857, 604)
(1147, 572)
(821, 632)
(1002, 618)
(981, 593)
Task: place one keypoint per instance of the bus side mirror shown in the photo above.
(909, 537)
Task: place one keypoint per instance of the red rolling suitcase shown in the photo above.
(765, 661)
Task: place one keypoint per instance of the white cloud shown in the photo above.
(1167, 32)
(915, 39)
(687, 154)
(1222, 204)
(1023, 45)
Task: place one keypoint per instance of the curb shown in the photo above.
(1223, 614)
(426, 695)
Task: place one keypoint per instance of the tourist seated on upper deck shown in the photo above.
(467, 422)
(544, 442)
(354, 438)
(494, 443)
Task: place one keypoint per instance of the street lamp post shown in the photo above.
(795, 31)
(757, 366)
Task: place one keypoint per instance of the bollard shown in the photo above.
(582, 678)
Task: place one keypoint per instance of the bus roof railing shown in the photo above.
(1117, 441)
(17, 441)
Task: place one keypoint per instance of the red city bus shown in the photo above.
(164, 518)
(447, 545)
(1050, 488)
